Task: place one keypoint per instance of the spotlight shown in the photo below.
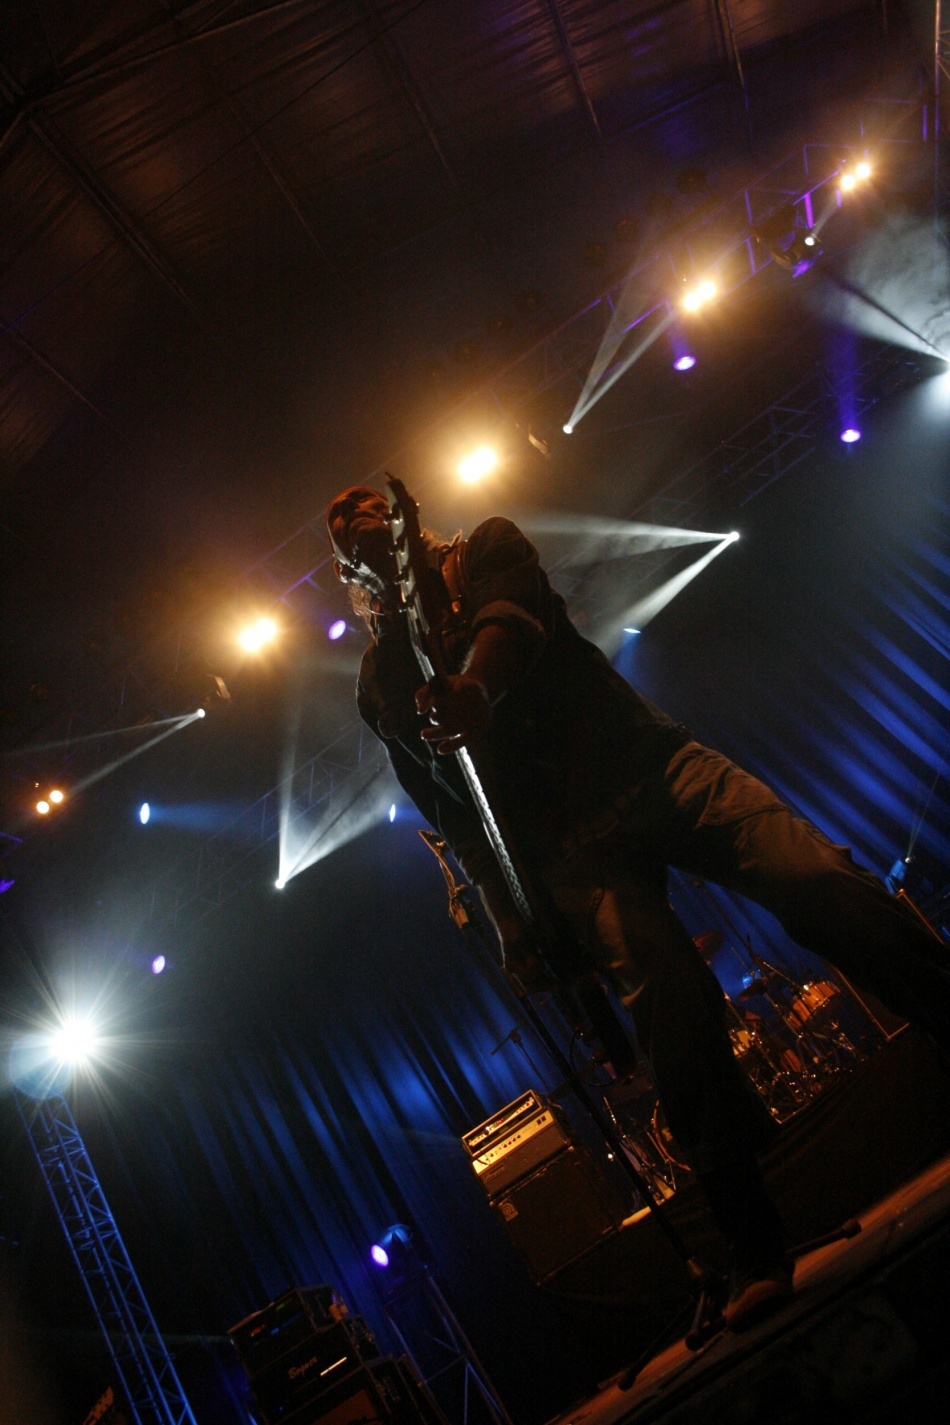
(253, 638)
(850, 435)
(337, 629)
(734, 536)
(42, 806)
(392, 812)
(477, 465)
(200, 712)
(56, 796)
(280, 883)
(394, 1249)
(145, 811)
(74, 1042)
(684, 363)
(568, 429)
(700, 295)
(158, 964)
(631, 630)
(850, 179)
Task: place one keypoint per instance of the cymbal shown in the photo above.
(708, 943)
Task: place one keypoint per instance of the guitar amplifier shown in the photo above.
(515, 1141)
(560, 1212)
(295, 1316)
(311, 1366)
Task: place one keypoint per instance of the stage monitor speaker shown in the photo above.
(560, 1212)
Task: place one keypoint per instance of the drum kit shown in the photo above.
(788, 1038)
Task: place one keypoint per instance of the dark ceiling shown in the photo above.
(242, 244)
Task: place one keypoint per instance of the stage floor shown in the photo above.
(863, 1338)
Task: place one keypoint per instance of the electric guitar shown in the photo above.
(554, 937)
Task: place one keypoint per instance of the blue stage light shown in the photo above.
(379, 1255)
(392, 812)
(850, 435)
(684, 362)
(337, 629)
(145, 812)
(158, 964)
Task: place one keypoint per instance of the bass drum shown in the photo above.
(665, 1141)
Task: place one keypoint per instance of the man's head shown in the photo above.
(358, 526)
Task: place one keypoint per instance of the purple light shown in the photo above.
(379, 1256)
(684, 362)
(158, 964)
(850, 435)
(337, 629)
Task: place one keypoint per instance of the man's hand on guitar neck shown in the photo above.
(460, 712)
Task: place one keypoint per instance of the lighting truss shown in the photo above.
(147, 1376)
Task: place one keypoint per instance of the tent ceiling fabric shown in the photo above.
(154, 154)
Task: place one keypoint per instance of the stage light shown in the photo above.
(850, 435)
(631, 630)
(253, 638)
(200, 712)
(145, 811)
(568, 429)
(75, 1041)
(862, 172)
(158, 964)
(848, 182)
(336, 629)
(56, 796)
(734, 535)
(394, 1249)
(700, 295)
(810, 240)
(684, 363)
(477, 465)
(280, 883)
(42, 806)
(392, 812)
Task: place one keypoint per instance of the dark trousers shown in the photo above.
(709, 818)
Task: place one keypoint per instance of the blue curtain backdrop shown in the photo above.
(343, 1038)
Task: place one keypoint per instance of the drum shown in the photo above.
(665, 1141)
(815, 999)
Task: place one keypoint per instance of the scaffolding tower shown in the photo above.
(148, 1381)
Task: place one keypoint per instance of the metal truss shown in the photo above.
(148, 1380)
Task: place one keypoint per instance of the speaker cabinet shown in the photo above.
(559, 1212)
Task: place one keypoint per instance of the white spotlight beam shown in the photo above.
(646, 609)
(97, 776)
(611, 538)
(303, 842)
(589, 398)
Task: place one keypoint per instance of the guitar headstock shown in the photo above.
(412, 573)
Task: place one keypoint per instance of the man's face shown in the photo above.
(358, 526)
